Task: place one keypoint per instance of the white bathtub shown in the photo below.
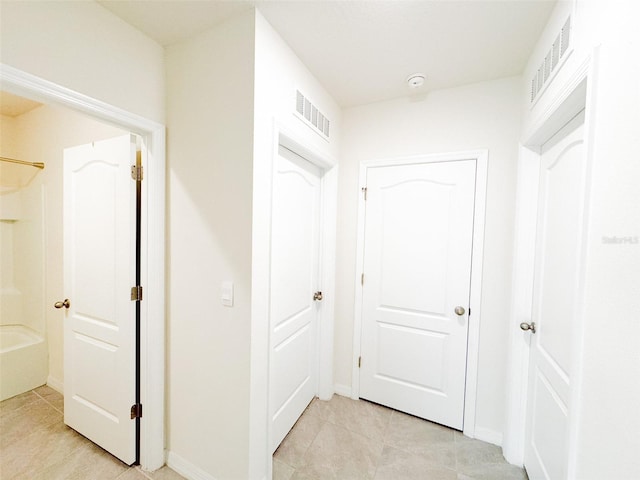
(23, 360)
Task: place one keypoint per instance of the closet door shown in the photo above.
(295, 233)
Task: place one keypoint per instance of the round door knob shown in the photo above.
(317, 296)
(528, 326)
(64, 304)
(459, 310)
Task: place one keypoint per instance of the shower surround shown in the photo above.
(23, 344)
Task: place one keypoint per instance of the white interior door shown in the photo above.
(417, 270)
(562, 172)
(295, 245)
(99, 271)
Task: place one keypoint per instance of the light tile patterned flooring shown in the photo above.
(35, 444)
(342, 439)
(345, 439)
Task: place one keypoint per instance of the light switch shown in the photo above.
(226, 294)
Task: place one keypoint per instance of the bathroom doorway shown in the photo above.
(152, 261)
(43, 245)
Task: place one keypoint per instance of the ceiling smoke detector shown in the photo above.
(415, 80)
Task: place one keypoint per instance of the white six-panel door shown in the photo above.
(560, 202)
(417, 270)
(295, 246)
(99, 271)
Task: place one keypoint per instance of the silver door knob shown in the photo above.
(317, 296)
(64, 304)
(528, 326)
(459, 310)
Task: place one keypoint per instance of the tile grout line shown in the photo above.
(43, 469)
(139, 469)
(324, 422)
(305, 412)
(48, 402)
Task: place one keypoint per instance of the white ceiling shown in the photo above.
(362, 51)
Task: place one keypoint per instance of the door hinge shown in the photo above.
(362, 279)
(469, 313)
(359, 362)
(136, 410)
(136, 293)
(364, 192)
(137, 172)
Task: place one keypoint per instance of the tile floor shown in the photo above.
(341, 439)
(35, 444)
(344, 439)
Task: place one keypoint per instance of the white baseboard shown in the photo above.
(488, 435)
(342, 390)
(56, 384)
(186, 469)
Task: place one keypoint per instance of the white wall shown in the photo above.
(226, 88)
(41, 135)
(608, 417)
(210, 157)
(278, 73)
(484, 115)
(21, 239)
(610, 386)
(84, 47)
(8, 144)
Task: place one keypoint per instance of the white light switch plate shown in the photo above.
(226, 294)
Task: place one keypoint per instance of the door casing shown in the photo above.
(481, 159)
(290, 330)
(286, 132)
(575, 96)
(152, 309)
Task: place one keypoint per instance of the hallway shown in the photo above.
(348, 439)
(341, 439)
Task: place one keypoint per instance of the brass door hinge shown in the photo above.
(136, 293)
(137, 172)
(136, 410)
(359, 362)
(362, 279)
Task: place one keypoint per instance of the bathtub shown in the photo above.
(23, 360)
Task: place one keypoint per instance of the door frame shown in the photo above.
(481, 158)
(327, 248)
(577, 94)
(152, 309)
(285, 131)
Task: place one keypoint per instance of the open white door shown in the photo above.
(99, 271)
(294, 307)
(562, 175)
(417, 268)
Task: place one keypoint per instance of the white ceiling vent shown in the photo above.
(551, 63)
(309, 114)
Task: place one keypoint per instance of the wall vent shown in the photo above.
(309, 114)
(551, 62)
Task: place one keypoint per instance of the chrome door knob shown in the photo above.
(459, 310)
(317, 296)
(528, 326)
(65, 304)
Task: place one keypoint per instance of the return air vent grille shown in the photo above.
(309, 113)
(551, 62)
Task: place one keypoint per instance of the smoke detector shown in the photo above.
(415, 80)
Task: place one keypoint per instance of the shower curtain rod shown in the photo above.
(22, 162)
